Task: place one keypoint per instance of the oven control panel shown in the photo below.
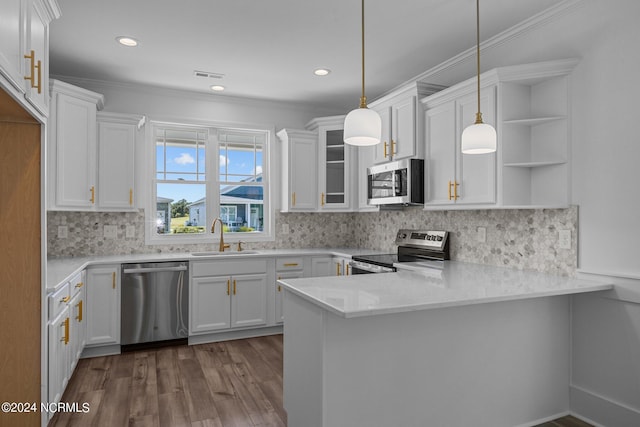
(422, 238)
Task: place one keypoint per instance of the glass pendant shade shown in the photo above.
(362, 127)
(479, 138)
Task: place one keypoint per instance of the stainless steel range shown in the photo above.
(413, 246)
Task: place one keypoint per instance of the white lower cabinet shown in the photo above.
(58, 355)
(227, 294)
(286, 268)
(322, 266)
(280, 293)
(341, 266)
(103, 305)
(77, 327)
(66, 334)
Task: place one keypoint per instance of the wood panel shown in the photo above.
(20, 254)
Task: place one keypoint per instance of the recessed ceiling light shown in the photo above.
(322, 71)
(217, 88)
(127, 41)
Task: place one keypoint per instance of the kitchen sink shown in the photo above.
(212, 253)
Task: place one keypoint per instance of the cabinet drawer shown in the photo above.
(58, 301)
(76, 283)
(227, 267)
(286, 264)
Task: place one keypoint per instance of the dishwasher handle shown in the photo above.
(153, 269)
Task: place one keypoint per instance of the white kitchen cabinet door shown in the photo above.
(403, 130)
(299, 167)
(249, 300)
(402, 122)
(210, 304)
(398, 130)
(453, 178)
(321, 267)
(366, 159)
(76, 325)
(382, 152)
(441, 153)
(280, 292)
(12, 41)
(341, 266)
(72, 147)
(476, 173)
(116, 165)
(103, 305)
(58, 374)
(37, 92)
(334, 159)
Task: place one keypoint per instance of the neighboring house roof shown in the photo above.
(197, 202)
(163, 200)
(245, 191)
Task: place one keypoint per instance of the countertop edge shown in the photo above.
(77, 264)
(595, 287)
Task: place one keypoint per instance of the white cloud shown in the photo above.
(184, 159)
(223, 160)
(258, 170)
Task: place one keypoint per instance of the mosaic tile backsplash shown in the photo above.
(522, 239)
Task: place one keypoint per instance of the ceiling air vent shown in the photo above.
(208, 74)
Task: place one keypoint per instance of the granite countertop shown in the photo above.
(59, 270)
(421, 288)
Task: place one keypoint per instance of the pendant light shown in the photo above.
(362, 126)
(479, 138)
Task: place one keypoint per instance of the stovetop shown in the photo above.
(384, 260)
(413, 246)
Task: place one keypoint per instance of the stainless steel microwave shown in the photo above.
(396, 183)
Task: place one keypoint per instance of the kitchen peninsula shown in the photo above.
(465, 345)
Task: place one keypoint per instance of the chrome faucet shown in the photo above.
(213, 230)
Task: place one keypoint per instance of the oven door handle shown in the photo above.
(371, 268)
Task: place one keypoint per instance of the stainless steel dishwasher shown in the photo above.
(155, 304)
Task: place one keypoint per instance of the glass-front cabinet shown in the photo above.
(334, 160)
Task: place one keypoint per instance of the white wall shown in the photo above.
(606, 153)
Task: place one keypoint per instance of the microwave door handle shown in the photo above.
(397, 179)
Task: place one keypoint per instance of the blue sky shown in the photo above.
(184, 163)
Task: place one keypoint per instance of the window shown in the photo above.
(203, 173)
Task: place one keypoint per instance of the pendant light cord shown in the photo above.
(478, 114)
(363, 98)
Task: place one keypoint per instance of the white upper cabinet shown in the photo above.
(335, 168)
(401, 124)
(529, 107)
(24, 48)
(13, 41)
(299, 167)
(92, 155)
(453, 177)
(72, 149)
(366, 159)
(116, 161)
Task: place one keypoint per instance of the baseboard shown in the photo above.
(101, 350)
(600, 410)
(234, 335)
(544, 420)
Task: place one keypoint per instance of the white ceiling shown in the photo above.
(268, 49)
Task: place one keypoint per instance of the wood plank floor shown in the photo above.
(226, 384)
(232, 383)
